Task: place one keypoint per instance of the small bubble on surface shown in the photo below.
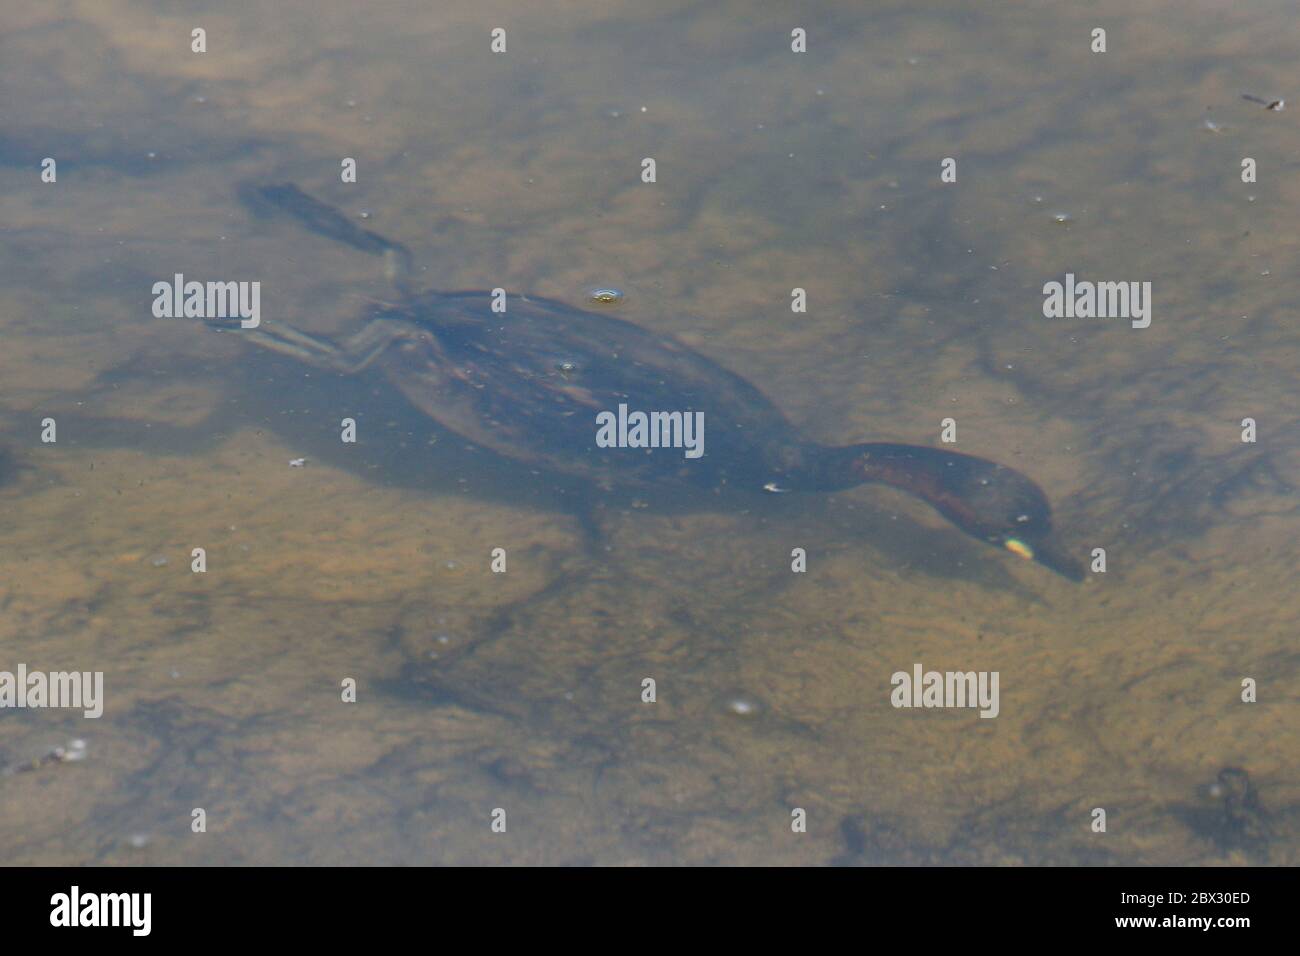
(743, 706)
(71, 752)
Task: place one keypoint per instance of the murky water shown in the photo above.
(522, 691)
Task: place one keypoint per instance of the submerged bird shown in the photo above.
(529, 383)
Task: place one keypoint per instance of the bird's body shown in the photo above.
(550, 385)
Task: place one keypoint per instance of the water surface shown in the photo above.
(523, 690)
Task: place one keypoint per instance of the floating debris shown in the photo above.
(71, 752)
(606, 296)
(297, 462)
(1276, 106)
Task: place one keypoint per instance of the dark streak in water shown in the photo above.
(114, 149)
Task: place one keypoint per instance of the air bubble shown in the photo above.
(744, 706)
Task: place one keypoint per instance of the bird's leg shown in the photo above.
(362, 348)
(353, 354)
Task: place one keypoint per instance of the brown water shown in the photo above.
(522, 691)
